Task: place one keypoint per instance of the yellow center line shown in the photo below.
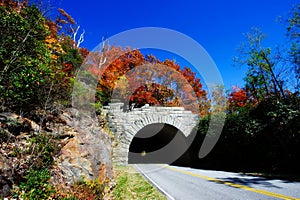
(272, 194)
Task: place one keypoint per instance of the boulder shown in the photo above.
(88, 154)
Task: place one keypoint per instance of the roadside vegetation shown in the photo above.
(131, 185)
(39, 57)
(262, 128)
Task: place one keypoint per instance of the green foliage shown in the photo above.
(24, 57)
(35, 66)
(203, 125)
(263, 138)
(263, 79)
(17, 152)
(98, 107)
(44, 148)
(69, 198)
(71, 54)
(103, 97)
(35, 186)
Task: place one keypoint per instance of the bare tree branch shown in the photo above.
(81, 38)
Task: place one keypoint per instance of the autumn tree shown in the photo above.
(240, 99)
(66, 54)
(133, 78)
(153, 94)
(37, 61)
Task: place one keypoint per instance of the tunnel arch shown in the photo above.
(146, 145)
(125, 124)
(150, 118)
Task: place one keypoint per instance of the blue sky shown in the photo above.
(215, 24)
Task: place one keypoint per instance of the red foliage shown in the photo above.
(154, 82)
(53, 28)
(15, 5)
(153, 94)
(118, 63)
(84, 52)
(194, 82)
(239, 98)
(68, 67)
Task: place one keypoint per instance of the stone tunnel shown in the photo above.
(136, 130)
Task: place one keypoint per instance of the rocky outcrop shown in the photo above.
(84, 148)
(87, 154)
(15, 131)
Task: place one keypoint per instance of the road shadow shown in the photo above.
(248, 181)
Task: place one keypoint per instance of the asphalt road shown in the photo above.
(191, 184)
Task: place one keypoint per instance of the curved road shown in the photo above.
(191, 184)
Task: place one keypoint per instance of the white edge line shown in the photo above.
(155, 184)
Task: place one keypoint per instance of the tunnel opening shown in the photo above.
(158, 143)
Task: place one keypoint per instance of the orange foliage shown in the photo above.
(153, 94)
(153, 82)
(84, 52)
(239, 98)
(15, 5)
(52, 26)
(119, 62)
(68, 67)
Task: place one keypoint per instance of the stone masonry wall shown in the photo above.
(126, 124)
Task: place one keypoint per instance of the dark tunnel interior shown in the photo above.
(157, 143)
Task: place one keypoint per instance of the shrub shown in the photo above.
(83, 189)
(24, 57)
(35, 186)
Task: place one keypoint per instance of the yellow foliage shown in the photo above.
(54, 45)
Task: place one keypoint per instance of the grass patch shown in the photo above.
(131, 185)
